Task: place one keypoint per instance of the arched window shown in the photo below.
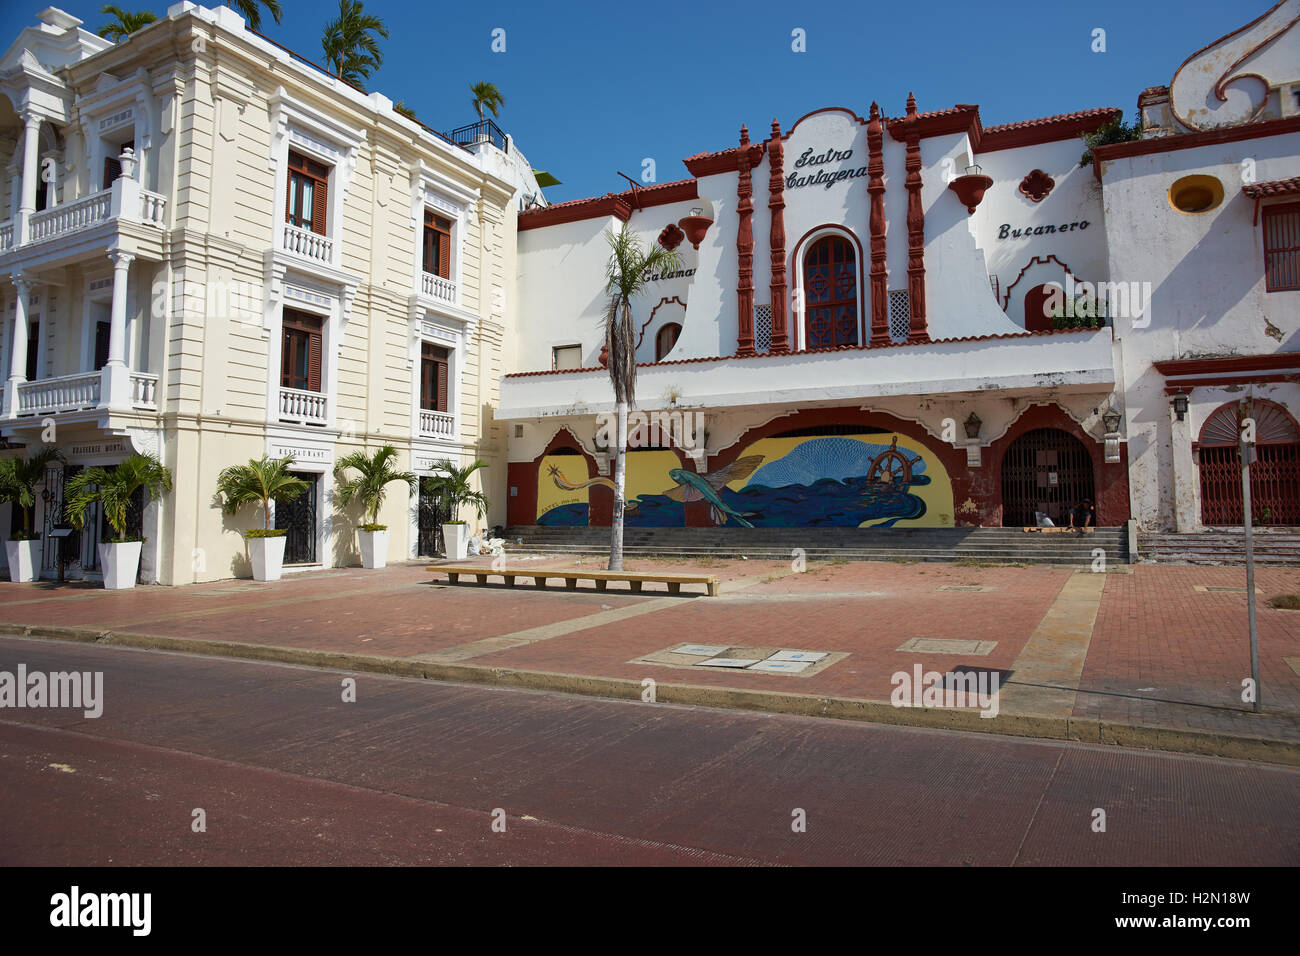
(1037, 299)
(665, 339)
(830, 282)
(1274, 475)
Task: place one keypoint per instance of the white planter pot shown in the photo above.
(455, 541)
(121, 564)
(24, 559)
(374, 548)
(267, 555)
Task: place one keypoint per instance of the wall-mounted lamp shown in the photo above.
(972, 426)
(1110, 421)
(1180, 404)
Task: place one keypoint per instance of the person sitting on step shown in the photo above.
(1082, 516)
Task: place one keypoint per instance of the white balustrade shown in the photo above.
(436, 287)
(144, 390)
(6, 235)
(308, 408)
(71, 216)
(64, 393)
(153, 207)
(306, 243)
(436, 424)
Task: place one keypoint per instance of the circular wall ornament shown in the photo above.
(1036, 185)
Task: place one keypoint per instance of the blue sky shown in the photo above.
(592, 88)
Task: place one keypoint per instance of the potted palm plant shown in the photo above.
(375, 472)
(112, 488)
(18, 480)
(260, 482)
(454, 485)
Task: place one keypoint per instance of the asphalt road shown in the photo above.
(288, 773)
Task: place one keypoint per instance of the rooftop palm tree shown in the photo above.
(261, 481)
(351, 43)
(375, 473)
(251, 10)
(123, 24)
(113, 487)
(486, 96)
(19, 478)
(625, 274)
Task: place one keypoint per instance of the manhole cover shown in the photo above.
(944, 645)
(1203, 588)
(962, 587)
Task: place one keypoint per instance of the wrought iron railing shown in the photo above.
(484, 131)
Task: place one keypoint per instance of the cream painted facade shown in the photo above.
(179, 273)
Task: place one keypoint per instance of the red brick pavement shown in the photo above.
(1161, 654)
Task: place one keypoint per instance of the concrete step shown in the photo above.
(1218, 547)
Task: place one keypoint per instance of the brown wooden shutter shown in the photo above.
(112, 169)
(440, 365)
(313, 360)
(320, 204)
(444, 250)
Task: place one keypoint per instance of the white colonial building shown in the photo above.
(212, 251)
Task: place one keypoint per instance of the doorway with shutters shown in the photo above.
(1046, 471)
(298, 519)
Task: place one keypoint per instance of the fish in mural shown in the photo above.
(693, 487)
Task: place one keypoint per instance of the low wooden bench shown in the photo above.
(571, 577)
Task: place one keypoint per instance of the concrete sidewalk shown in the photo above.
(1148, 656)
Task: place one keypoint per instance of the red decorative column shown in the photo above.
(876, 190)
(915, 229)
(776, 238)
(745, 251)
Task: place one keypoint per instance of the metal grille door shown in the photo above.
(1045, 470)
(298, 518)
(1274, 484)
(433, 513)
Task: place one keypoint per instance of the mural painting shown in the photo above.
(852, 480)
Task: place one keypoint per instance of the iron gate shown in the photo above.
(1047, 470)
(298, 518)
(1274, 484)
(72, 545)
(433, 513)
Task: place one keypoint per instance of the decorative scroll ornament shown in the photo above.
(1037, 185)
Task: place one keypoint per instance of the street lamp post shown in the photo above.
(1247, 450)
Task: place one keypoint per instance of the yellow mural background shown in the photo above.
(937, 495)
(574, 469)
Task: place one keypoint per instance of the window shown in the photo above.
(1282, 247)
(666, 339)
(566, 357)
(437, 245)
(830, 278)
(300, 355)
(112, 165)
(33, 349)
(433, 377)
(307, 203)
(102, 332)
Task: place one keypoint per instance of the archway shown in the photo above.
(1037, 318)
(1274, 475)
(1046, 470)
(830, 283)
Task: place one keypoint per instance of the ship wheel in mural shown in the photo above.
(891, 466)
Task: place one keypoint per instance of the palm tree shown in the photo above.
(251, 11)
(376, 472)
(18, 480)
(123, 24)
(113, 487)
(629, 264)
(261, 481)
(487, 96)
(351, 45)
(454, 485)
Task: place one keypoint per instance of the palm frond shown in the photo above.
(454, 485)
(112, 488)
(260, 482)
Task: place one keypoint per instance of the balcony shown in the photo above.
(124, 200)
(134, 391)
(436, 287)
(298, 407)
(437, 424)
(308, 244)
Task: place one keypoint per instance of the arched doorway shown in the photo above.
(665, 339)
(1047, 470)
(830, 282)
(1274, 475)
(1037, 318)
